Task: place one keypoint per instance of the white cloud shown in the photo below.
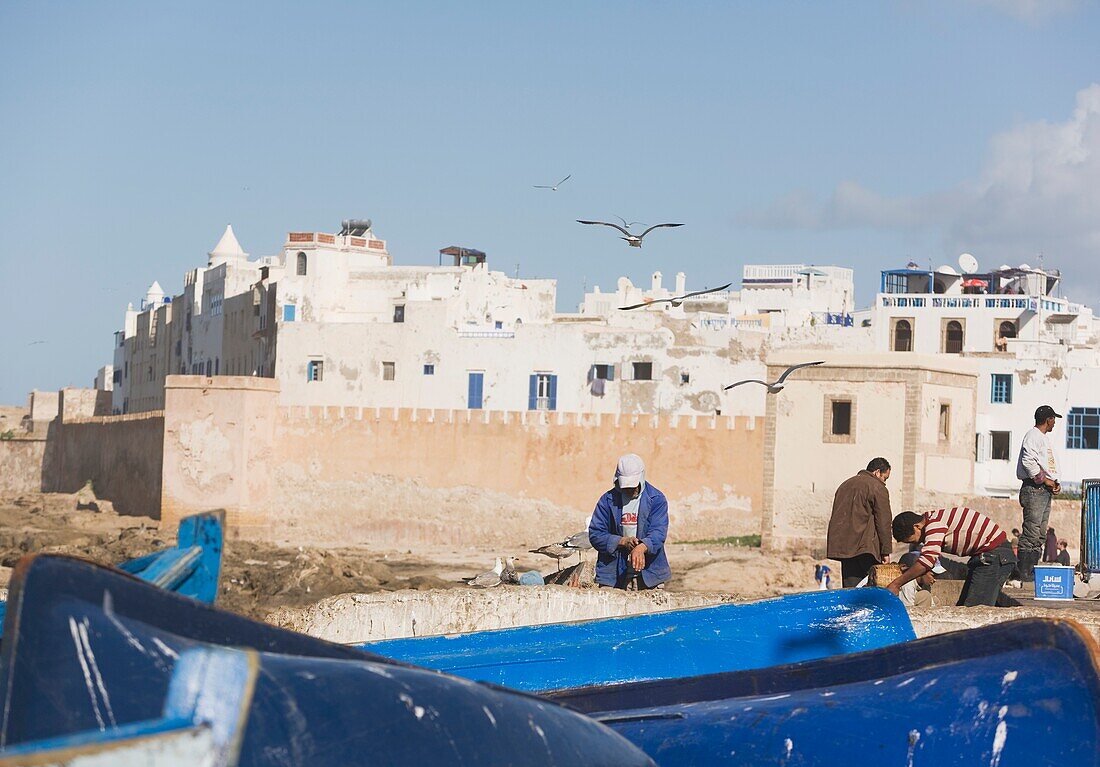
(1038, 191)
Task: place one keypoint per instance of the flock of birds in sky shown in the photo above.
(635, 241)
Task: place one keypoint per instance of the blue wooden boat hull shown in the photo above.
(191, 567)
(88, 648)
(202, 723)
(666, 645)
(1018, 693)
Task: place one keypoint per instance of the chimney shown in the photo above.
(681, 283)
(656, 285)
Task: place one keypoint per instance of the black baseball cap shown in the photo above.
(1043, 412)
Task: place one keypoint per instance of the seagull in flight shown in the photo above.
(775, 388)
(35, 343)
(675, 300)
(633, 240)
(554, 188)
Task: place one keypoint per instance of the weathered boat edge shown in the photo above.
(864, 666)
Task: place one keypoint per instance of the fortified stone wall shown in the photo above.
(391, 477)
(21, 462)
(120, 455)
(219, 438)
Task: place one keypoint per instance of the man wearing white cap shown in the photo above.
(628, 529)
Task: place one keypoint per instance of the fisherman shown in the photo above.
(964, 533)
(1037, 471)
(628, 529)
(859, 528)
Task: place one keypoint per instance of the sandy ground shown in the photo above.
(265, 580)
(259, 578)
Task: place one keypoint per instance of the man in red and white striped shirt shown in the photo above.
(964, 533)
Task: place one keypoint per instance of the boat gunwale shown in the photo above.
(881, 663)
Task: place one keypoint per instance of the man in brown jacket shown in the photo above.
(859, 528)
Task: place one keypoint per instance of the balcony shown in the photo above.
(486, 334)
(924, 300)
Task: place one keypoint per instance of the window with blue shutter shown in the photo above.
(542, 393)
(289, 312)
(1001, 388)
(474, 391)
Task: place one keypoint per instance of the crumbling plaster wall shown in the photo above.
(894, 414)
(388, 477)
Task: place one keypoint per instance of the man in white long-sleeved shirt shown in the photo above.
(1037, 470)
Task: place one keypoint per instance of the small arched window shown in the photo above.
(953, 338)
(301, 264)
(903, 336)
(1008, 329)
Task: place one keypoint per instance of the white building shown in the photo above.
(339, 324)
(772, 296)
(1033, 347)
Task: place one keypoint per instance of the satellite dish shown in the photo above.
(945, 269)
(968, 263)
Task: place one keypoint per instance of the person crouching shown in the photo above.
(964, 533)
(628, 529)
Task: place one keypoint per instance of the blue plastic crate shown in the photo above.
(1053, 582)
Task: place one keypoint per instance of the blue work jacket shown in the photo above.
(606, 529)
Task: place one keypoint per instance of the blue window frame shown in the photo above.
(1001, 388)
(1083, 428)
(315, 370)
(289, 312)
(606, 372)
(429, 370)
(475, 390)
(542, 392)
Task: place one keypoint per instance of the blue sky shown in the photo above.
(852, 133)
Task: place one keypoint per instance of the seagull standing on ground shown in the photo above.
(488, 580)
(633, 240)
(509, 574)
(554, 551)
(554, 188)
(777, 386)
(675, 300)
(574, 544)
(579, 542)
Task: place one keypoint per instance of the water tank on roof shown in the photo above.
(355, 227)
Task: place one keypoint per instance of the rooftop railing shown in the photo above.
(1021, 303)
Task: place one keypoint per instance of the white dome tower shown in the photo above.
(154, 296)
(227, 248)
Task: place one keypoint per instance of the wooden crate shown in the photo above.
(883, 575)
